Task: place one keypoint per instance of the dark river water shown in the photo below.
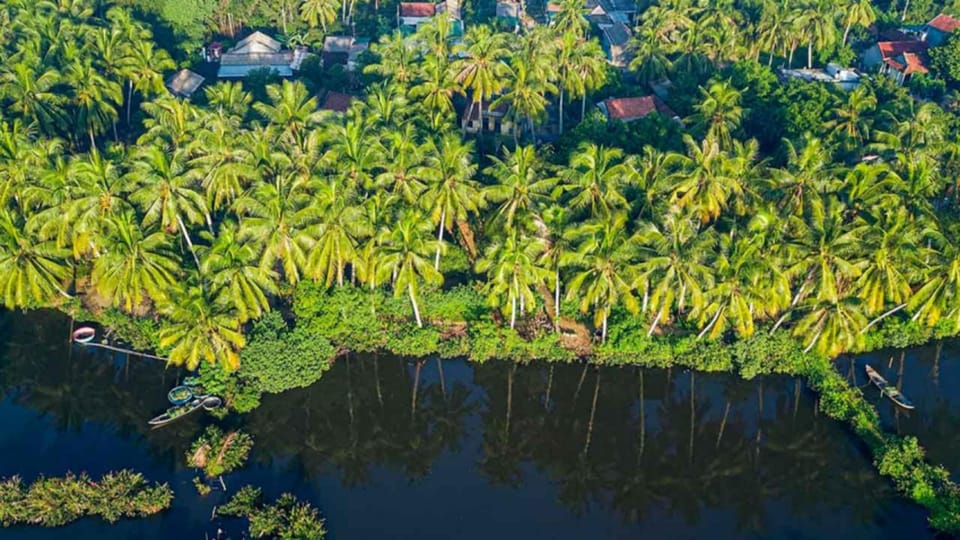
(389, 448)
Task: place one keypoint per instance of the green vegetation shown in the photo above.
(219, 453)
(286, 518)
(52, 502)
(779, 216)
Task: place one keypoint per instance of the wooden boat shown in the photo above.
(179, 411)
(888, 390)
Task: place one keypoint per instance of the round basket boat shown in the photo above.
(212, 402)
(84, 334)
(180, 395)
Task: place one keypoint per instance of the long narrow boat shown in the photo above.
(888, 390)
(173, 413)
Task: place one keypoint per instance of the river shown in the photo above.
(392, 448)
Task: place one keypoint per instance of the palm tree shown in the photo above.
(895, 257)
(436, 89)
(97, 193)
(277, 217)
(852, 118)
(31, 93)
(339, 231)
(291, 109)
(319, 12)
(718, 113)
(513, 272)
(95, 98)
(232, 269)
(164, 189)
(570, 19)
(405, 258)
(650, 61)
(557, 251)
(525, 95)
(857, 12)
(705, 183)
(938, 297)
(483, 69)
(607, 273)
(674, 271)
(452, 194)
(401, 162)
(396, 58)
(819, 25)
(521, 186)
(224, 162)
(809, 172)
(201, 329)
(134, 265)
(596, 177)
(749, 285)
(32, 271)
(832, 326)
(582, 71)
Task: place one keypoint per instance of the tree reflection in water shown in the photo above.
(641, 443)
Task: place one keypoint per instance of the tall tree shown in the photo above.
(406, 259)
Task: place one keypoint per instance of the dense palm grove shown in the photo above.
(207, 215)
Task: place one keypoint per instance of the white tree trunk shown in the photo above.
(443, 223)
(186, 236)
(416, 308)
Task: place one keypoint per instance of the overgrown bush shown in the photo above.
(219, 453)
(286, 518)
(277, 358)
(52, 502)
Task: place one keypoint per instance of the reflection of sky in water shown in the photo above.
(932, 382)
(484, 455)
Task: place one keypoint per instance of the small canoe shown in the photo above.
(84, 334)
(888, 390)
(180, 395)
(175, 412)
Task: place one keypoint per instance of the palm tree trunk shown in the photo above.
(712, 322)
(593, 414)
(603, 331)
(93, 141)
(583, 106)
(513, 312)
(653, 326)
(416, 389)
(129, 100)
(186, 236)
(846, 32)
(556, 301)
(443, 223)
(546, 397)
(810, 55)
(882, 317)
(561, 111)
(416, 308)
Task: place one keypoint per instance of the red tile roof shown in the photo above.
(908, 63)
(944, 23)
(417, 9)
(336, 101)
(636, 107)
(890, 49)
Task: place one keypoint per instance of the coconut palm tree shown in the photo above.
(595, 177)
(405, 259)
(396, 58)
(164, 188)
(30, 90)
(705, 184)
(852, 118)
(200, 329)
(94, 97)
(525, 96)
(292, 110)
(895, 256)
(436, 89)
(859, 13)
(674, 271)
(32, 271)
(558, 250)
(938, 297)
(277, 217)
(402, 159)
(337, 234)
(513, 272)
(482, 70)
(570, 19)
(452, 194)
(522, 186)
(235, 276)
(134, 265)
(319, 12)
(718, 113)
(606, 269)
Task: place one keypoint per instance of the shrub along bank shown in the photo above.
(280, 356)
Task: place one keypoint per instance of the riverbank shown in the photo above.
(283, 355)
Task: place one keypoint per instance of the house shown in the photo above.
(875, 57)
(901, 67)
(604, 13)
(343, 50)
(510, 12)
(258, 51)
(845, 78)
(337, 102)
(635, 108)
(184, 83)
(410, 15)
(939, 29)
(493, 120)
(616, 38)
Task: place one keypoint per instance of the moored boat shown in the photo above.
(888, 390)
(179, 395)
(84, 334)
(179, 411)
